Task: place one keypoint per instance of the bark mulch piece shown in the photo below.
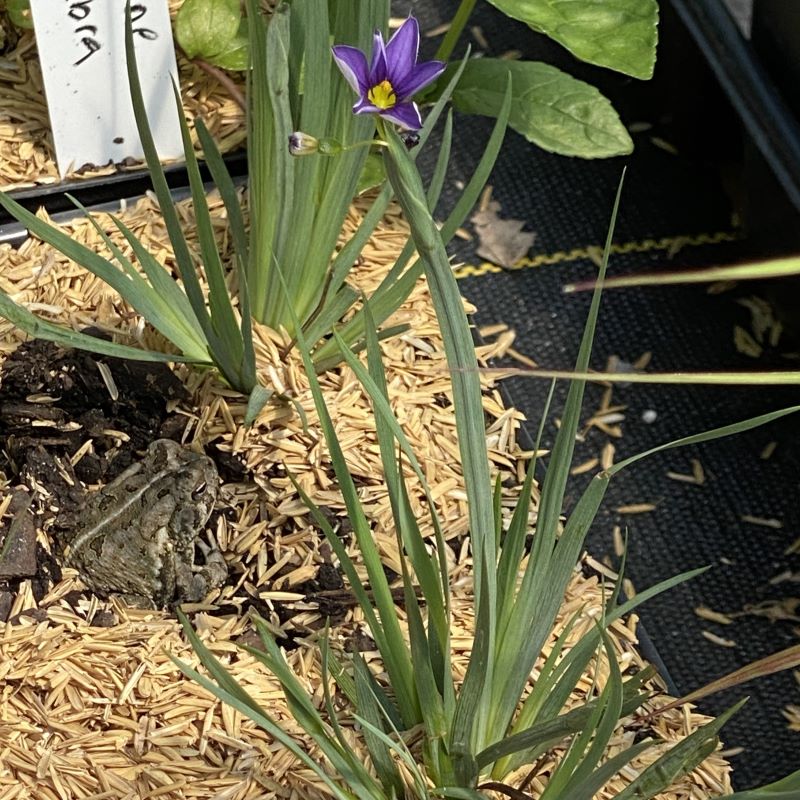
(90, 703)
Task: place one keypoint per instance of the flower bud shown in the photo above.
(302, 144)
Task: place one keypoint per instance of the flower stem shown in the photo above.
(454, 31)
(224, 80)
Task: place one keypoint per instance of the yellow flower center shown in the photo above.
(382, 95)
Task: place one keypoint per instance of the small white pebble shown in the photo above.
(649, 416)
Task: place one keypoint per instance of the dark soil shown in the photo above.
(53, 400)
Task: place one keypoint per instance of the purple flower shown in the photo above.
(386, 86)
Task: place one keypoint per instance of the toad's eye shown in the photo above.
(199, 490)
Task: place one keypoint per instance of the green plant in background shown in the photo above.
(550, 108)
(15, 15)
(18, 12)
(215, 31)
(476, 733)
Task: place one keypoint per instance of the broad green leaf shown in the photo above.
(206, 27)
(618, 34)
(235, 56)
(550, 108)
(372, 174)
(19, 12)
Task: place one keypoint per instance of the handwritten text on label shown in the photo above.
(82, 51)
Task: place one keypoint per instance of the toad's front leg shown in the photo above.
(196, 581)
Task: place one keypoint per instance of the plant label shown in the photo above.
(81, 47)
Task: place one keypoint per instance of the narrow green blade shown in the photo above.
(678, 760)
(21, 318)
(183, 257)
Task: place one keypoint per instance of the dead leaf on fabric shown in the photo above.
(502, 241)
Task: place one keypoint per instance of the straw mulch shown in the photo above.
(26, 145)
(102, 712)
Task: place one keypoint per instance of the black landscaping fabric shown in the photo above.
(667, 194)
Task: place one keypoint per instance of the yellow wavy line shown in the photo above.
(594, 252)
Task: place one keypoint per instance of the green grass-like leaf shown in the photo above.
(787, 788)
(758, 270)
(551, 562)
(679, 760)
(42, 329)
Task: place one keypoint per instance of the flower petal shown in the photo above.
(353, 64)
(363, 106)
(401, 51)
(406, 115)
(377, 70)
(420, 76)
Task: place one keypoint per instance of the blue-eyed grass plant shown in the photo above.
(476, 732)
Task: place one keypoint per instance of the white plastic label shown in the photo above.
(81, 47)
